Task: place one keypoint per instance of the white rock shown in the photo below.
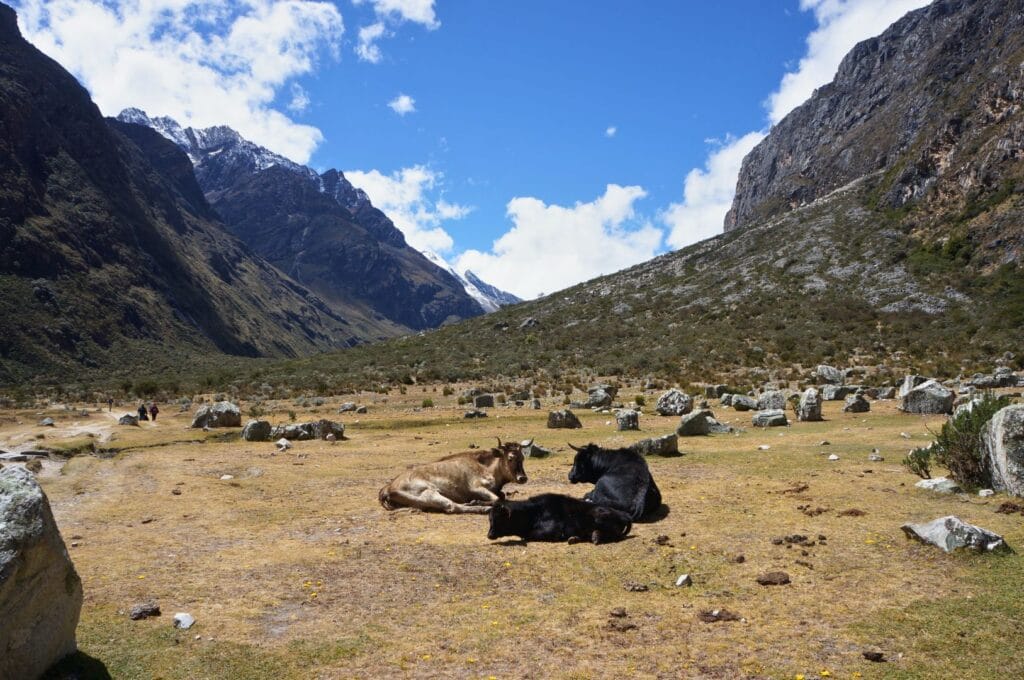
(951, 533)
(833, 457)
(939, 485)
(985, 493)
(763, 447)
(283, 444)
(224, 478)
(184, 620)
(684, 580)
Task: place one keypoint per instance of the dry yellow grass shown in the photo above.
(293, 569)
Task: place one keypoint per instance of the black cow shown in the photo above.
(554, 517)
(621, 480)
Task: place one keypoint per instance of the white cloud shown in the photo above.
(202, 63)
(610, 131)
(407, 196)
(708, 192)
(402, 104)
(367, 49)
(841, 25)
(551, 247)
(300, 99)
(416, 11)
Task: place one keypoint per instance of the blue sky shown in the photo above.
(537, 143)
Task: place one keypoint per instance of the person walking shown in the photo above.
(110, 404)
(142, 412)
(153, 410)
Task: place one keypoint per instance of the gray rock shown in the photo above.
(666, 446)
(684, 581)
(535, 404)
(474, 414)
(257, 431)
(939, 485)
(770, 418)
(856, 403)
(714, 391)
(40, 592)
(361, 410)
(144, 611)
(694, 424)
(1003, 447)
(725, 400)
(952, 533)
(928, 397)
(473, 392)
(128, 419)
(837, 392)
(283, 444)
(829, 375)
(809, 409)
(533, 450)
(600, 396)
(47, 422)
(674, 403)
(986, 493)
(483, 401)
(742, 402)
(529, 322)
(184, 620)
(318, 429)
(910, 382)
(715, 427)
(886, 393)
(627, 419)
(347, 407)
(218, 414)
(564, 419)
(771, 401)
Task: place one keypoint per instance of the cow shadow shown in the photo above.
(523, 543)
(661, 513)
(78, 666)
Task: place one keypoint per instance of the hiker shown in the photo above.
(153, 410)
(110, 404)
(142, 412)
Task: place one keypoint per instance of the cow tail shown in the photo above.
(385, 498)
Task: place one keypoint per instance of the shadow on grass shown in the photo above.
(78, 666)
(661, 513)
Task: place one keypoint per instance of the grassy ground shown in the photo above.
(293, 570)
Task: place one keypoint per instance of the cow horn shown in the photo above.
(499, 441)
(528, 442)
(574, 448)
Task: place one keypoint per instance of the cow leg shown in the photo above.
(485, 495)
(432, 499)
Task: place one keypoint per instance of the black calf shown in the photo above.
(554, 517)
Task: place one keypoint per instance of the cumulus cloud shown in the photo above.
(300, 99)
(392, 12)
(409, 197)
(841, 24)
(402, 104)
(202, 63)
(551, 247)
(708, 192)
(610, 131)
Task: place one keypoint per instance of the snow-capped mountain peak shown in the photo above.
(489, 297)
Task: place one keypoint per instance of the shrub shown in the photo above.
(958, 445)
(256, 411)
(428, 403)
(640, 400)
(291, 416)
(447, 391)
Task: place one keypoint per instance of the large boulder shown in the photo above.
(770, 418)
(1003, 446)
(218, 414)
(725, 399)
(742, 402)
(318, 429)
(627, 419)
(837, 392)
(600, 396)
(257, 431)
(563, 420)
(40, 592)
(347, 407)
(667, 446)
(128, 419)
(856, 403)
(886, 393)
(910, 382)
(715, 391)
(951, 533)
(771, 400)
(483, 401)
(694, 424)
(929, 397)
(829, 375)
(674, 403)
(809, 409)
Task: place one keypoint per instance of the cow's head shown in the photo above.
(500, 516)
(511, 455)
(583, 468)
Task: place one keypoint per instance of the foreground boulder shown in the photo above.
(910, 382)
(627, 419)
(667, 446)
(694, 424)
(128, 419)
(563, 420)
(952, 533)
(257, 431)
(318, 429)
(674, 403)
(810, 406)
(218, 414)
(1003, 447)
(40, 592)
(856, 403)
(929, 397)
(770, 418)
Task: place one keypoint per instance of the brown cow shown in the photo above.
(467, 482)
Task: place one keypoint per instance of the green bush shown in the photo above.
(428, 403)
(640, 400)
(256, 411)
(291, 416)
(958, 445)
(447, 391)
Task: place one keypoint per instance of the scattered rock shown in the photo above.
(674, 403)
(1008, 508)
(874, 657)
(809, 409)
(852, 512)
(533, 450)
(362, 410)
(771, 401)
(144, 611)
(773, 578)
(330, 437)
(985, 493)
(40, 592)
(128, 419)
(634, 587)
(283, 444)
(951, 533)
(529, 322)
(939, 485)
(184, 620)
(600, 396)
(684, 581)
(564, 419)
(833, 457)
(217, 414)
(741, 402)
(886, 393)
(621, 625)
(829, 374)
(763, 447)
(725, 400)
(47, 422)
(714, 391)
(347, 407)
(1003, 446)
(667, 446)
(34, 466)
(875, 458)
(257, 431)
(627, 420)
(929, 397)
(824, 442)
(618, 612)
(770, 418)
(716, 615)
(318, 429)
(225, 478)
(483, 401)
(837, 392)
(474, 414)
(856, 403)
(694, 424)
(535, 404)
(910, 382)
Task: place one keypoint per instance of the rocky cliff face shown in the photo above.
(319, 229)
(930, 109)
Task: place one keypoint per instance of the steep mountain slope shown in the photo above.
(108, 251)
(868, 228)
(320, 229)
(490, 297)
